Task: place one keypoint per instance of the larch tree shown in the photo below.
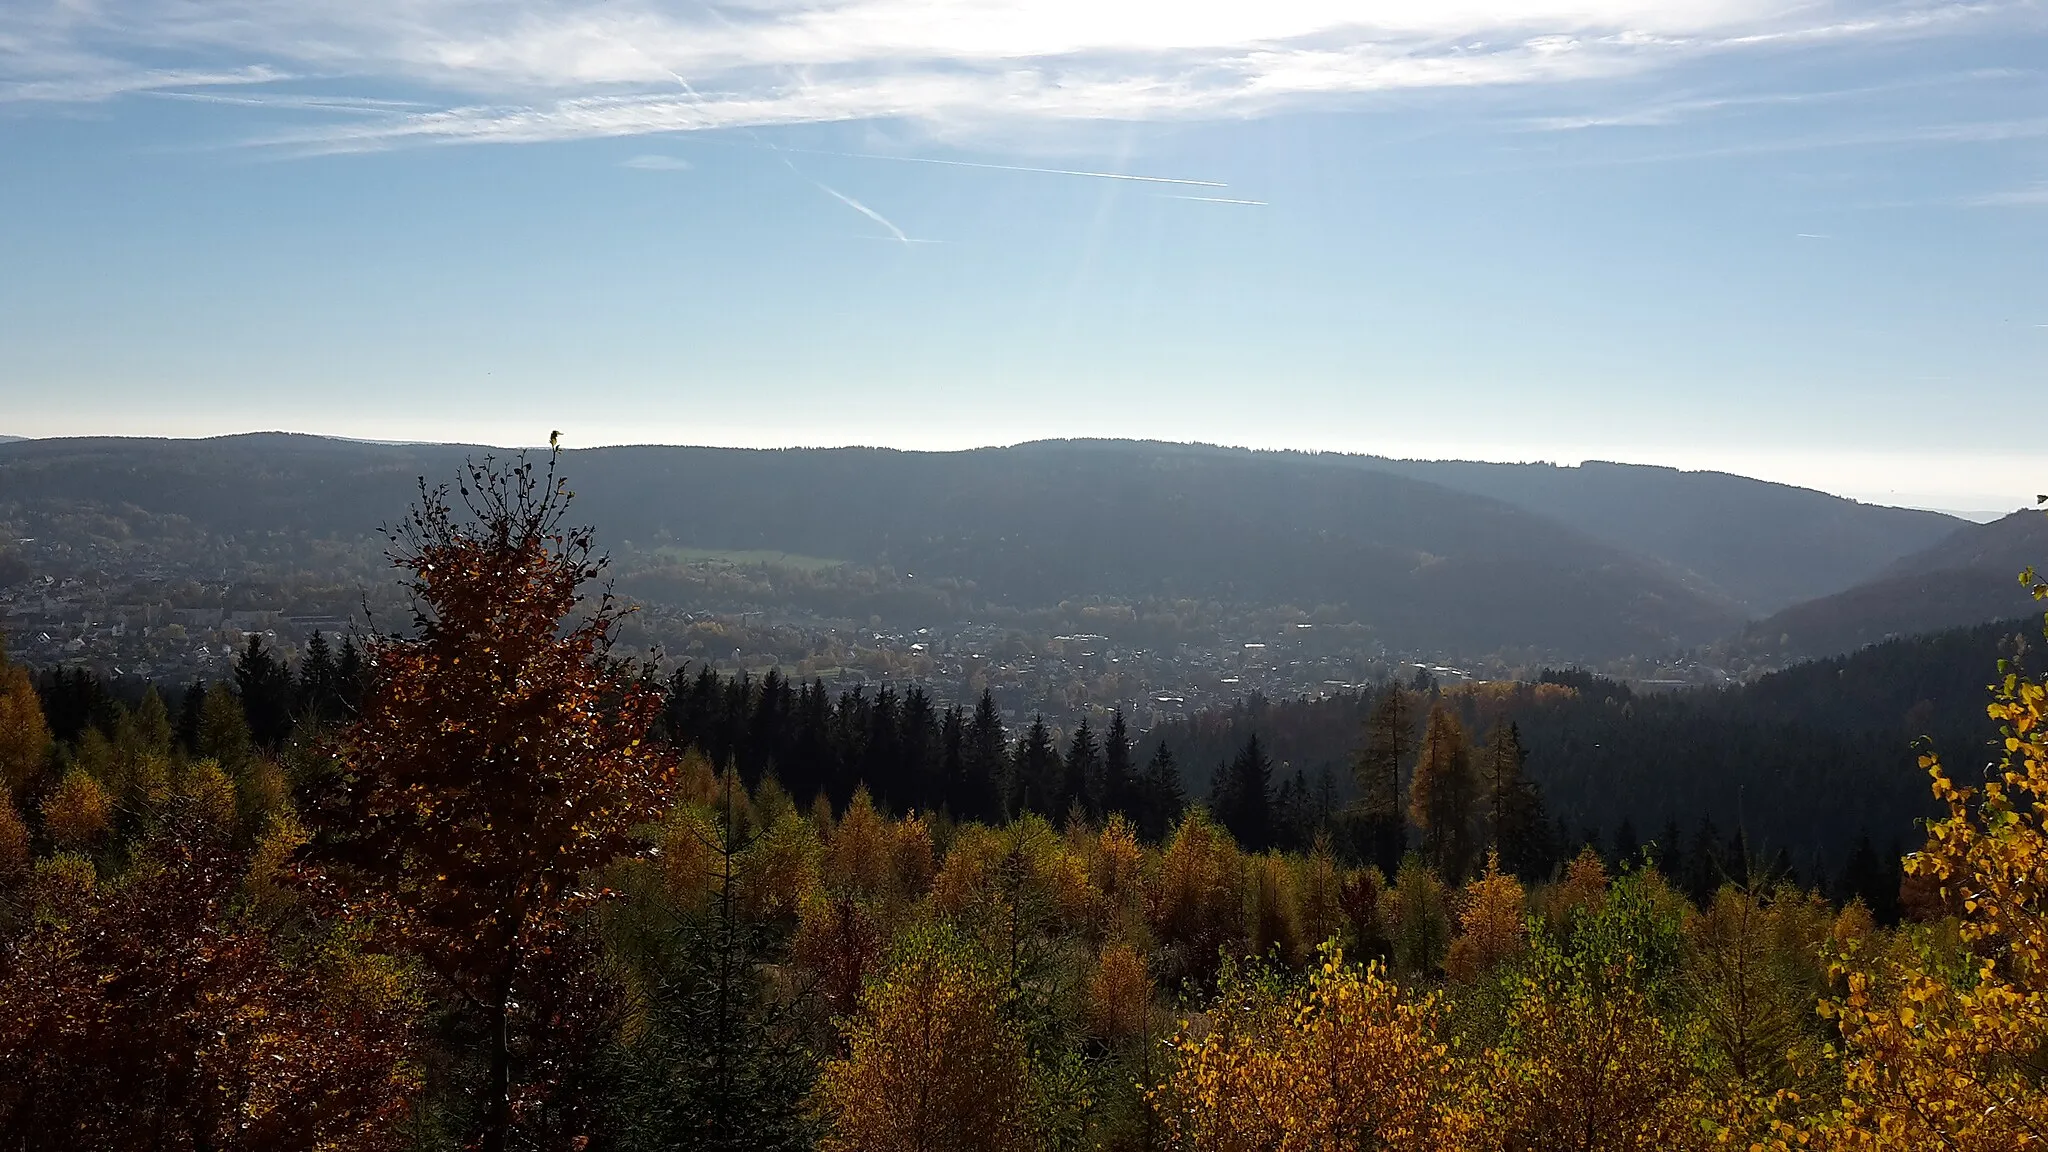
(24, 733)
(499, 758)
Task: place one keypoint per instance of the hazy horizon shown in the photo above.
(1796, 470)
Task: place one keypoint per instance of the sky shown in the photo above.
(1797, 239)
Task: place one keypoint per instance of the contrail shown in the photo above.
(864, 210)
(1215, 200)
(1019, 168)
(782, 155)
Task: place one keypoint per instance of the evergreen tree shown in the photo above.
(267, 691)
(1037, 772)
(1378, 766)
(1082, 766)
(1115, 791)
(1244, 797)
(1515, 824)
(1443, 800)
(985, 787)
(1160, 797)
(718, 1064)
(1628, 850)
(1671, 853)
(952, 784)
(191, 709)
(316, 681)
(351, 676)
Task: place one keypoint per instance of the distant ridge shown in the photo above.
(1969, 577)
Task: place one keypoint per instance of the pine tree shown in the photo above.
(1116, 790)
(1443, 799)
(1378, 766)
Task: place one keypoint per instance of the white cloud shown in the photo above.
(653, 162)
(523, 70)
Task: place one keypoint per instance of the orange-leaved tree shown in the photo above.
(498, 760)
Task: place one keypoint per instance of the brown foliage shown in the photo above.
(498, 760)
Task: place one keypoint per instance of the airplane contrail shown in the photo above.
(1019, 168)
(782, 154)
(864, 210)
(1215, 200)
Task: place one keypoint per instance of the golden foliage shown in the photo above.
(1119, 1002)
(78, 812)
(1948, 1055)
(1200, 899)
(13, 839)
(210, 794)
(931, 1063)
(1349, 1061)
(857, 855)
(24, 736)
(1492, 924)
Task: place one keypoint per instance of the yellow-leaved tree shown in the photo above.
(1951, 1054)
(1348, 1061)
(932, 1060)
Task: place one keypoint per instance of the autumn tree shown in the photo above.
(1349, 1061)
(146, 1014)
(932, 1060)
(1948, 1054)
(1443, 799)
(498, 758)
(24, 735)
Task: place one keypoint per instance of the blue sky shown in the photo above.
(1806, 241)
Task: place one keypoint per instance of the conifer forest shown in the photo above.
(472, 879)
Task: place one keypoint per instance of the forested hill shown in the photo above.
(1762, 544)
(1805, 760)
(1429, 567)
(1970, 576)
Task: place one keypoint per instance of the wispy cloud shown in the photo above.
(530, 70)
(2034, 197)
(654, 162)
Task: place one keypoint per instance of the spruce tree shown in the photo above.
(1082, 766)
(1160, 796)
(1443, 799)
(1037, 772)
(1378, 767)
(985, 789)
(1244, 797)
(1515, 824)
(1112, 792)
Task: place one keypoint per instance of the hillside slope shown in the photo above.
(1806, 759)
(1429, 568)
(1766, 546)
(1967, 578)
